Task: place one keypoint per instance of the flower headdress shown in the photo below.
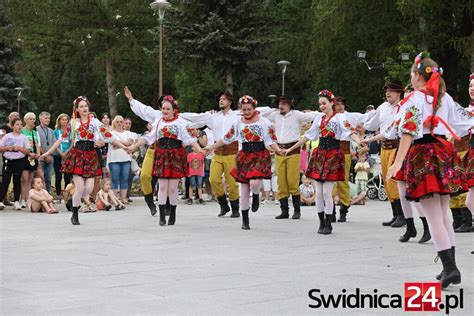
(426, 69)
(247, 99)
(327, 94)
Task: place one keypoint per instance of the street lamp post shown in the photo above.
(160, 6)
(272, 98)
(18, 91)
(283, 64)
(362, 54)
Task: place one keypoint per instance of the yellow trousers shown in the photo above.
(223, 165)
(459, 201)
(147, 168)
(387, 156)
(288, 175)
(342, 187)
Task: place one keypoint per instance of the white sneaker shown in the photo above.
(2, 206)
(16, 206)
(23, 204)
(277, 202)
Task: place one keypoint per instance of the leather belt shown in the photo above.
(253, 147)
(226, 150)
(289, 145)
(328, 143)
(169, 143)
(428, 138)
(152, 146)
(345, 146)
(84, 145)
(462, 145)
(390, 144)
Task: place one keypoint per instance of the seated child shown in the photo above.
(39, 200)
(105, 198)
(308, 194)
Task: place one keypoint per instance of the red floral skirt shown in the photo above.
(430, 169)
(252, 165)
(85, 163)
(400, 175)
(170, 163)
(327, 165)
(469, 167)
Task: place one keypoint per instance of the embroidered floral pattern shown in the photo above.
(230, 134)
(253, 165)
(169, 131)
(252, 133)
(411, 121)
(271, 131)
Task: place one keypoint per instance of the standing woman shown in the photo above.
(327, 162)
(14, 146)
(32, 167)
(253, 160)
(62, 134)
(82, 160)
(430, 171)
(118, 160)
(170, 136)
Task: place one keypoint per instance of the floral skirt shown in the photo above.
(469, 167)
(327, 165)
(400, 175)
(170, 163)
(252, 165)
(431, 169)
(85, 163)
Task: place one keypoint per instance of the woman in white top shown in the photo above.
(118, 160)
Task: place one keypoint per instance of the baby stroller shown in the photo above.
(375, 187)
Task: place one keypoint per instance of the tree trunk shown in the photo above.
(229, 81)
(111, 91)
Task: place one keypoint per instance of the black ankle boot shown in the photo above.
(75, 216)
(343, 210)
(296, 206)
(222, 200)
(245, 220)
(394, 216)
(410, 232)
(466, 221)
(400, 221)
(172, 218)
(451, 274)
(150, 204)
(168, 207)
(235, 208)
(255, 202)
(327, 224)
(453, 254)
(284, 209)
(162, 208)
(321, 222)
(426, 231)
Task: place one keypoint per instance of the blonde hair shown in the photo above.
(29, 115)
(114, 121)
(103, 182)
(58, 125)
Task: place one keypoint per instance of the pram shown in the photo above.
(375, 187)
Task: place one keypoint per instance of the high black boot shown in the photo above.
(222, 200)
(333, 217)
(457, 217)
(426, 231)
(235, 208)
(343, 210)
(451, 273)
(150, 204)
(162, 208)
(296, 206)
(400, 221)
(410, 232)
(466, 226)
(284, 209)
(172, 218)
(255, 202)
(321, 222)
(168, 207)
(75, 215)
(394, 215)
(245, 220)
(327, 224)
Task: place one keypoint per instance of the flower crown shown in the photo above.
(79, 99)
(247, 99)
(426, 69)
(327, 94)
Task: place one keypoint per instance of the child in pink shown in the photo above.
(196, 175)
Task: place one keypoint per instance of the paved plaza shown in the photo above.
(124, 263)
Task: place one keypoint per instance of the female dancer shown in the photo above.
(253, 160)
(169, 135)
(469, 159)
(430, 160)
(326, 164)
(82, 160)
